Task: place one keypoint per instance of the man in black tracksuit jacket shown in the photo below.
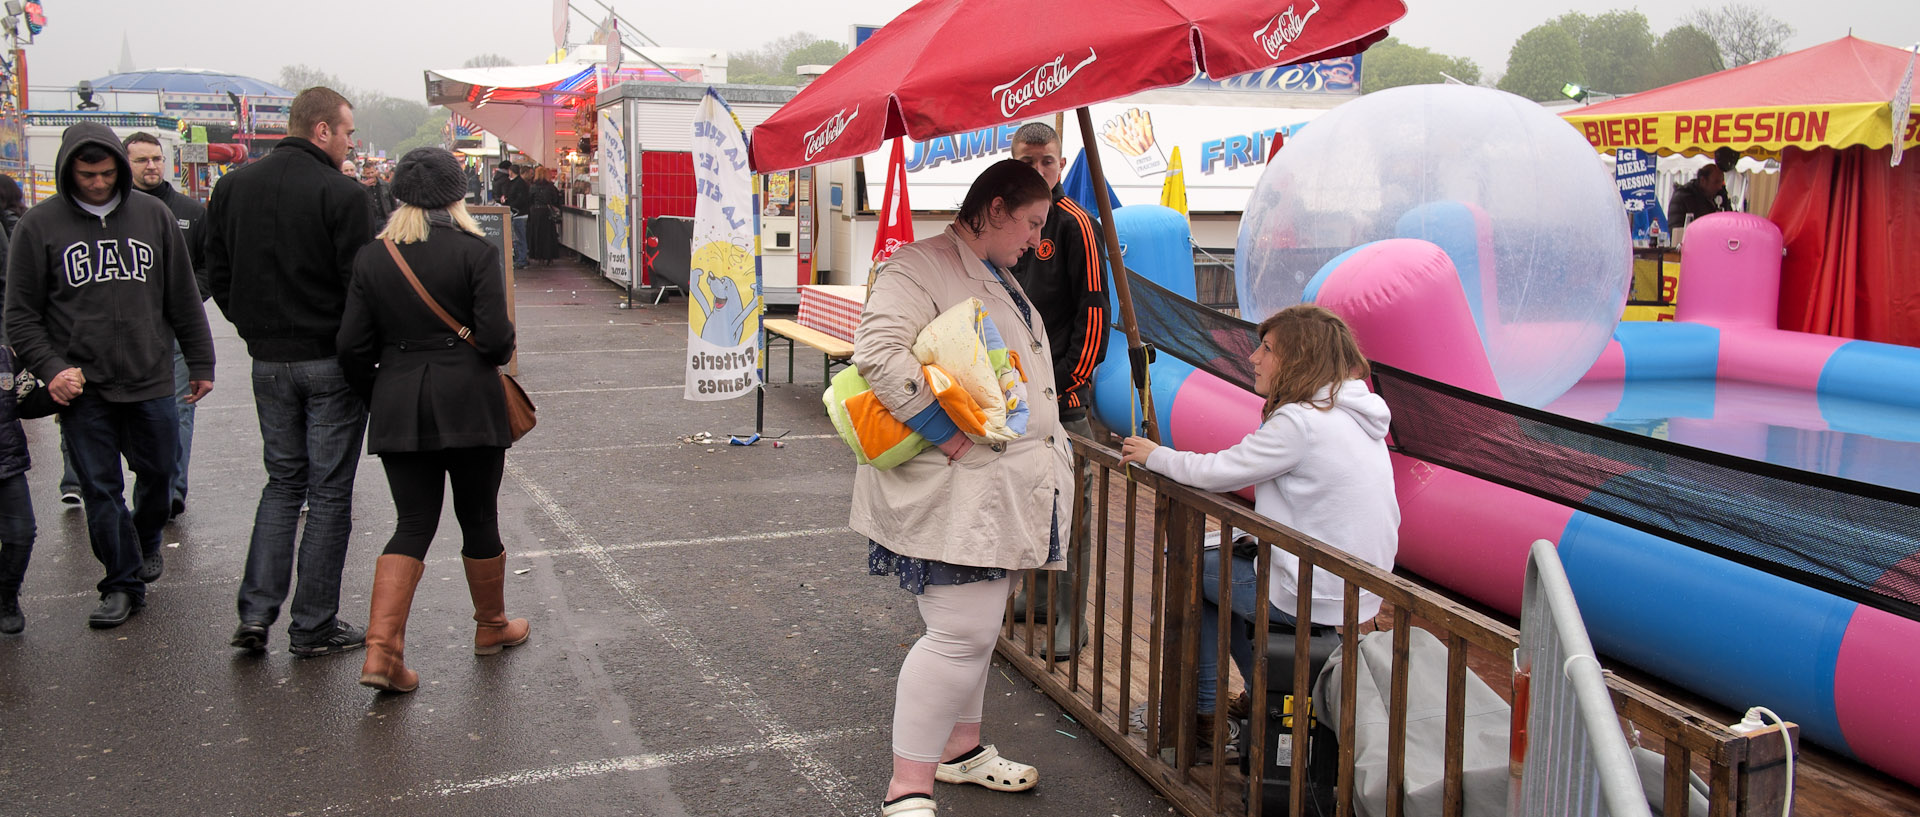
(1066, 278)
(281, 236)
(99, 286)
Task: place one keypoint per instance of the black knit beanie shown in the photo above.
(429, 178)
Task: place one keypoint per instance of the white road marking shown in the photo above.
(611, 448)
(595, 352)
(768, 536)
(825, 778)
(608, 389)
(635, 763)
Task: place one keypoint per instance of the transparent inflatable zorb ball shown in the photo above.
(1514, 195)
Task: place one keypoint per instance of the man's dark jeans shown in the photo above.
(311, 427)
(98, 434)
(519, 241)
(17, 532)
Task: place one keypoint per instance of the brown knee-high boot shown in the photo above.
(492, 631)
(394, 578)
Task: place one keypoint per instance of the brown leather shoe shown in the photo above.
(394, 578)
(492, 630)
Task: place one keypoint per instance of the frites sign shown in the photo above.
(1768, 130)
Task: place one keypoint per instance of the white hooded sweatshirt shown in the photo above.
(1323, 473)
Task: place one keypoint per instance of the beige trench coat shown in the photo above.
(992, 507)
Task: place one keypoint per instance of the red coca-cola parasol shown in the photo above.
(947, 66)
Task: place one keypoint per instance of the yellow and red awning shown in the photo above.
(1837, 95)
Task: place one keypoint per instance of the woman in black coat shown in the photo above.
(543, 218)
(435, 404)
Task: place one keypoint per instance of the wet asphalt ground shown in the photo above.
(705, 638)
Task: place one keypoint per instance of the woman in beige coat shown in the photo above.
(958, 522)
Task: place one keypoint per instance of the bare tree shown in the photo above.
(486, 61)
(1745, 33)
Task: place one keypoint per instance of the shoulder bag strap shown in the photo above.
(464, 333)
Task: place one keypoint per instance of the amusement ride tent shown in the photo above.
(531, 107)
(1851, 218)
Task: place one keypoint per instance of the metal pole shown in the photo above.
(636, 52)
(1136, 351)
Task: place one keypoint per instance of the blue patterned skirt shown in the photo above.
(916, 574)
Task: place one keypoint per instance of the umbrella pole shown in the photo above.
(1136, 351)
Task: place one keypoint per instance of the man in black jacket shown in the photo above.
(519, 198)
(377, 191)
(1704, 196)
(99, 286)
(497, 187)
(281, 236)
(150, 177)
(1066, 279)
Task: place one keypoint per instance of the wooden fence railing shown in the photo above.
(1132, 686)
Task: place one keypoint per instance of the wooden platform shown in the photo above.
(1826, 782)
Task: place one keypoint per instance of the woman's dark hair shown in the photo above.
(12, 200)
(1012, 181)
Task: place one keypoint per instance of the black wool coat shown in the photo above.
(426, 389)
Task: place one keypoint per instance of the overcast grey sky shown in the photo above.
(385, 46)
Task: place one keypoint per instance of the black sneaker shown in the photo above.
(344, 638)
(251, 636)
(12, 621)
(151, 567)
(114, 610)
(70, 499)
(179, 507)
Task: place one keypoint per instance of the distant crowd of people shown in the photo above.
(375, 317)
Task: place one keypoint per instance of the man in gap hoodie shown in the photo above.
(99, 287)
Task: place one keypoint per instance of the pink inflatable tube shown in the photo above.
(1844, 672)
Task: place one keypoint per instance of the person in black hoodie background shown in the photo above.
(150, 177)
(282, 233)
(99, 286)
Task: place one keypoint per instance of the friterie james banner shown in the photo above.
(723, 304)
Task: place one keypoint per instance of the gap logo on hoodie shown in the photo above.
(97, 262)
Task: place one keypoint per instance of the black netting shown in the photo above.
(1213, 341)
(1856, 540)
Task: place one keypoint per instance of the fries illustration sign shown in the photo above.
(1131, 133)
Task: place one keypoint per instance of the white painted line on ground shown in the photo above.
(670, 543)
(517, 451)
(635, 763)
(609, 322)
(825, 778)
(608, 389)
(234, 581)
(595, 352)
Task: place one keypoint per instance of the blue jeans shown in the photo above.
(1246, 580)
(98, 434)
(311, 427)
(182, 389)
(17, 532)
(519, 241)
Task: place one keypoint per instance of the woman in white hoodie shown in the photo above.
(1318, 464)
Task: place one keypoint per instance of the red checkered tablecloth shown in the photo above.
(832, 309)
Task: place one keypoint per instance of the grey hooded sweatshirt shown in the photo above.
(106, 293)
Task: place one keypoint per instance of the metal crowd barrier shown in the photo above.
(1131, 687)
(1577, 760)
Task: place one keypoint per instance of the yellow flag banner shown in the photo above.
(1755, 131)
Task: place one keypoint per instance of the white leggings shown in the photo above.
(944, 679)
